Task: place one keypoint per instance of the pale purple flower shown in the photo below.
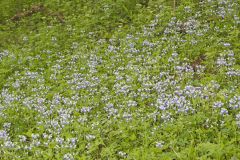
(224, 111)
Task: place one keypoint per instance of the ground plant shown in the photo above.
(120, 79)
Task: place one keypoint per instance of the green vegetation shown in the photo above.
(119, 79)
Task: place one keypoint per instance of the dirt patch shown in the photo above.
(39, 8)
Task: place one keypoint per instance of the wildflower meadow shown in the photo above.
(120, 79)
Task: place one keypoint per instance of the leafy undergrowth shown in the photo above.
(127, 79)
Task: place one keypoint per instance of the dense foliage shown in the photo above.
(120, 79)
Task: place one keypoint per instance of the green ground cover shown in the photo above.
(120, 79)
